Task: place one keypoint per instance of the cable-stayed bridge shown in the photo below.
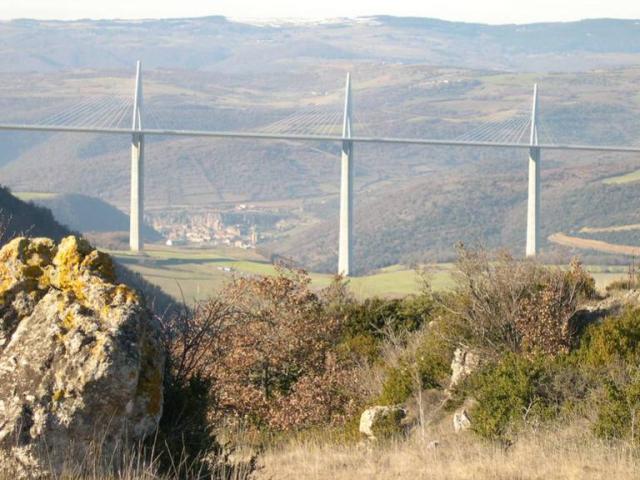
(520, 128)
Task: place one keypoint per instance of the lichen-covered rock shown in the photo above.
(81, 359)
(463, 364)
(382, 421)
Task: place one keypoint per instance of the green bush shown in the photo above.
(619, 409)
(433, 356)
(615, 340)
(360, 346)
(377, 316)
(388, 425)
(611, 351)
(514, 392)
(425, 364)
(398, 386)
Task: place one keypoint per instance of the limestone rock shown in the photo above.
(463, 364)
(80, 358)
(382, 421)
(461, 420)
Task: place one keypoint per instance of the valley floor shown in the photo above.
(196, 273)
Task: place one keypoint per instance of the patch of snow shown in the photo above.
(279, 22)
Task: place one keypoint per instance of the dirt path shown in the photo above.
(598, 245)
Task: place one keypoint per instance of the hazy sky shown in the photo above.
(490, 11)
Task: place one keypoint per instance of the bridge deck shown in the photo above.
(314, 138)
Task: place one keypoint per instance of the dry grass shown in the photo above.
(566, 454)
(570, 453)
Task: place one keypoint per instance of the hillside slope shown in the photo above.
(89, 214)
(424, 221)
(23, 218)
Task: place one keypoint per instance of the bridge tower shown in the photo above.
(345, 246)
(533, 205)
(136, 211)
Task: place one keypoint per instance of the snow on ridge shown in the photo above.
(304, 21)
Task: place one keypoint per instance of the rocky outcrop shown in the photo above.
(461, 420)
(81, 360)
(382, 421)
(463, 364)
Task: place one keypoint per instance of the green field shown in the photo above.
(29, 196)
(196, 273)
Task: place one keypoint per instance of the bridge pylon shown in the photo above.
(533, 200)
(136, 211)
(345, 242)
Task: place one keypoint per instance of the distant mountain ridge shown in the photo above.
(213, 43)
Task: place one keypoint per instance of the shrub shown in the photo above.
(274, 364)
(619, 409)
(622, 284)
(505, 305)
(615, 340)
(190, 338)
(389, 424)
(423, 364)
(398, 385)
(612, 351)
(375, 317)
(434, 354)
(514, 392)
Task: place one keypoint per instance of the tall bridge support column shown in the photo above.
(136, 210)
(533, 203)
(345, 247)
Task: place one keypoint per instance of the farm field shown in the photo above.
(194, 274)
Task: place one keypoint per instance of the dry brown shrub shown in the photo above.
(504, 304)
(266, 346)
(546, 319)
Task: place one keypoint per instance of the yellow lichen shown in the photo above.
(129, 295)
(58, 395)
(68, 322)
(99, 262)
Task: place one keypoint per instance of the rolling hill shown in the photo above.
(87, 214)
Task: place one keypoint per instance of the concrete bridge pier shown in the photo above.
(136, 210)
(533, 207)
(533, 203)
(345, 246)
